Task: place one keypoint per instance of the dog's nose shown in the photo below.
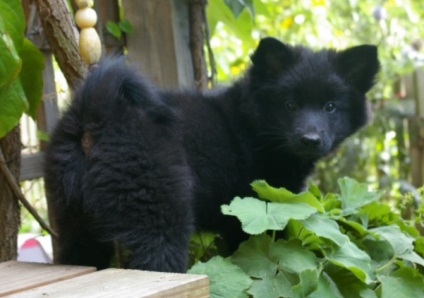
(311, 140)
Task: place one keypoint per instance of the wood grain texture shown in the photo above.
(19, 276)
(159, 45)
(125, 283)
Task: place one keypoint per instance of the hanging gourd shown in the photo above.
(89, 42)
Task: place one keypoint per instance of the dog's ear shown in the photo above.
(271, 57)
(359, 66)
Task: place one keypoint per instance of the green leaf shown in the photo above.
(43, 136)
(308, 283)
(12, 21)
(378, 214)
(326, 288)
(348, 284)
(113, 28)
(126, 26)
(400, 242)
(271, 287)
(349, 256)
(10, 62)
(292, 256)
(237, 6)
(326, 228)
(412, 257)
(31, 76)
(406, 282)
(218, 12)
(267, 192)
(274, 266)
(352, 225)
(225, 278)
(258, 216)
(13, 104)
(355, 195)
(253, 256)
(379, 250)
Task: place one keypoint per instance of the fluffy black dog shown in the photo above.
(144, 167)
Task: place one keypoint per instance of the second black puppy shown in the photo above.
(143, 167)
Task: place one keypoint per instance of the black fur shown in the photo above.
(144, 167)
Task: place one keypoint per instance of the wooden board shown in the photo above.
(159, 44)
(32, 166)
(125, 283)
(18, 276)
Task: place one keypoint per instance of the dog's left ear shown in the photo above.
(271, 57)
(359, 66)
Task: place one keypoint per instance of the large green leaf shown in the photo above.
(10, 62)
(225, 278)
(12, 105)
(400, 242)
(13, 21)
(349, 256)
(258, 216)
(273, 194)
(406, 282)
(253, 256)
(347, 283)
(31, 76)
(308, 283)
(355, 195)
(293, 257)
(326, 228)
(326, 288)
(276, 267)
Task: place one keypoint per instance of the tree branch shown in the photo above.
(18, 194)
(196, 8)
(60, 31)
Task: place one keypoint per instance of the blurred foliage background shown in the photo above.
(379, 153)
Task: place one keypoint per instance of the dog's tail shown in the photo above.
(113, 88)
(112, 92)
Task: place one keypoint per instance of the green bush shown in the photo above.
(350, 244)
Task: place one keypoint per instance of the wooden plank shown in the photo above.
(19, 276)
(32, 166)
(125, 283)
(159, 44)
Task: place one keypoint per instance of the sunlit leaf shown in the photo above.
(225, 278)
(258, 216)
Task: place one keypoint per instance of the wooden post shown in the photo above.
(416, 131)
(159, 45)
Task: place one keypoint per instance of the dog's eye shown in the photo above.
(330, 107)
(291, 105)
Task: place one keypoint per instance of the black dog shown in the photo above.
(144, 167)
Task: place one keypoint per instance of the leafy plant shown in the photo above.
(116, 28)
(312, 245)
(21, 64)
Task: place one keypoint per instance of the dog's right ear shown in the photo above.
(271, 57)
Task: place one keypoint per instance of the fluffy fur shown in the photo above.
(144, 167)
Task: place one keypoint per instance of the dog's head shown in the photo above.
(308, 102)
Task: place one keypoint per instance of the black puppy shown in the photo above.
(144, 167)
